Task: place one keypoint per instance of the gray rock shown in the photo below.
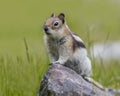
(62, 81)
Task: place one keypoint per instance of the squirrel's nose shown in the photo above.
(45, 29)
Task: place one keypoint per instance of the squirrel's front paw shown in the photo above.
(56, 62)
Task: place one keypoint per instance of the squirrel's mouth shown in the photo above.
(48, 33)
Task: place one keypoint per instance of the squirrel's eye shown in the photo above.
(56, 24)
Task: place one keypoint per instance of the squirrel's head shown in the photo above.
(54, 24)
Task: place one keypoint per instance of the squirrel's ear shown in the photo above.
(61, 16)
(52, 15)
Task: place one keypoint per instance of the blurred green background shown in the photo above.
(21, 19)
(25, 18)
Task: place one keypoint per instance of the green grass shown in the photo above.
(20, 77)
(107, 74)
(24, 19)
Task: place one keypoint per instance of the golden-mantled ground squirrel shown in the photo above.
(66, 48)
